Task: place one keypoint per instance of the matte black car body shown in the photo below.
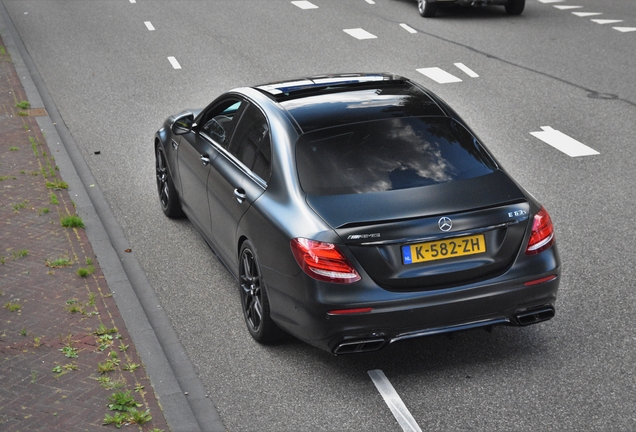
(428, 8)
(250, 215)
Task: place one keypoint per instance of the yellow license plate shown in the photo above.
(442, 249)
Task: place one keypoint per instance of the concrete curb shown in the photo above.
(179, 390)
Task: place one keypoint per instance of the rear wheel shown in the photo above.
(168, 197)
(254, 297)
(515, 7)
(426, 8)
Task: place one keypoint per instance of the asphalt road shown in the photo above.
(113, 84)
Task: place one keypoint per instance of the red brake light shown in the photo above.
(542, 236)
(323, 261)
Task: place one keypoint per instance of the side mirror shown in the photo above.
(183, 124)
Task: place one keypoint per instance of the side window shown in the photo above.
(218, 121)
(251, 143)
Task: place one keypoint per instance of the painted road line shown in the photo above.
(551, 1)
(439, 75)
(393, 400)
(149, 25)
(173, 61)
(305, 5)
(133, 1)
(467, 70)
(606, 21)
(587, 14)
(408, 28)
(567, 7)
(359, 33)
(625, 29)
(370, 2)
(564, 143)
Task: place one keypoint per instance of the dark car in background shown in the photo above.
(428, 8)
(357, 210)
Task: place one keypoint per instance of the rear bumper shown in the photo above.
(401, 316)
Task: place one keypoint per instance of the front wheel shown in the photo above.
(254, 298)
(426, 8)
(515, 7)
(168, 197)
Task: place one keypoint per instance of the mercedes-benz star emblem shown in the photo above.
(445, 224)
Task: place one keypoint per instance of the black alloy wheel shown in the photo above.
(254, 297)
(426, 8)
(515, 7)
(168, 197)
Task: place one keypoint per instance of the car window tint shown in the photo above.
(389, 154)
(218, 121)
(251, 142)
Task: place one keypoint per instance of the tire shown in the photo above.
(254, 299)
(426, 8)
(515, 7)
(168, 197)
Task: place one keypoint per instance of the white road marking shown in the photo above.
(408, 28)
(149, 25)
(439, 75)
(625, 29)
(393, 400)
(567, 7)
(359, 33)
(467, 70)
(304, 4)
(606, 21)
(173, 61)
(550, 1)
(133, 1)
(564, 143)
(587, 14)
(370, 2)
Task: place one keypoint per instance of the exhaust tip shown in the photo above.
(359, 346)
(535, 316)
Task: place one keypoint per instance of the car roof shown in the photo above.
(331, 100)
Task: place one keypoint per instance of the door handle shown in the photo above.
(205, 159)
(240, 196)
(175, 144)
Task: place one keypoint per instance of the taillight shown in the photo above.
(542, 236)
(323, 261)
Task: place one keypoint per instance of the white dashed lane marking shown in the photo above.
(467, 70)
(304, 5)
(173, 61)
(567, 7)
(564, 143)
(439, 75)
(408, 28)
(359, 33)
(587, 14)
(394, 401)
(149, 25)
(625, 29)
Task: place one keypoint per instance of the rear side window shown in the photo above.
(251, 143)
(389, 154)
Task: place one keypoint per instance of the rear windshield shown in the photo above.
(384, 155)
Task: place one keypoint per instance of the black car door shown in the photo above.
(196, 153)
(239, 176)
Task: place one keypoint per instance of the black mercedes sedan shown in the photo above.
(357, 210)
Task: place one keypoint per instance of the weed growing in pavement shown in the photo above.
(36, 341)
(34, 147)
(119, 419)
(122, 401)
(34, 376)
(131, 367)
(13, 148)
(89, 261)
(139, 417)
(13, 306)
(17, 207)
(105, 367)
(105, 342)
(23, 105)
(23, 332)
(72, 221)
(139, 389)
(68, 349)
(19, 254)
(91, 299)
(59, 263)
(85, 271)
(53, 199)
(57, 184)
(43, 210)
(4, 178)
(1, 260)
(102, 330)
(109, 384)
(123, 347)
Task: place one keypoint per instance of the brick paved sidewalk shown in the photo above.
(64, 348)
